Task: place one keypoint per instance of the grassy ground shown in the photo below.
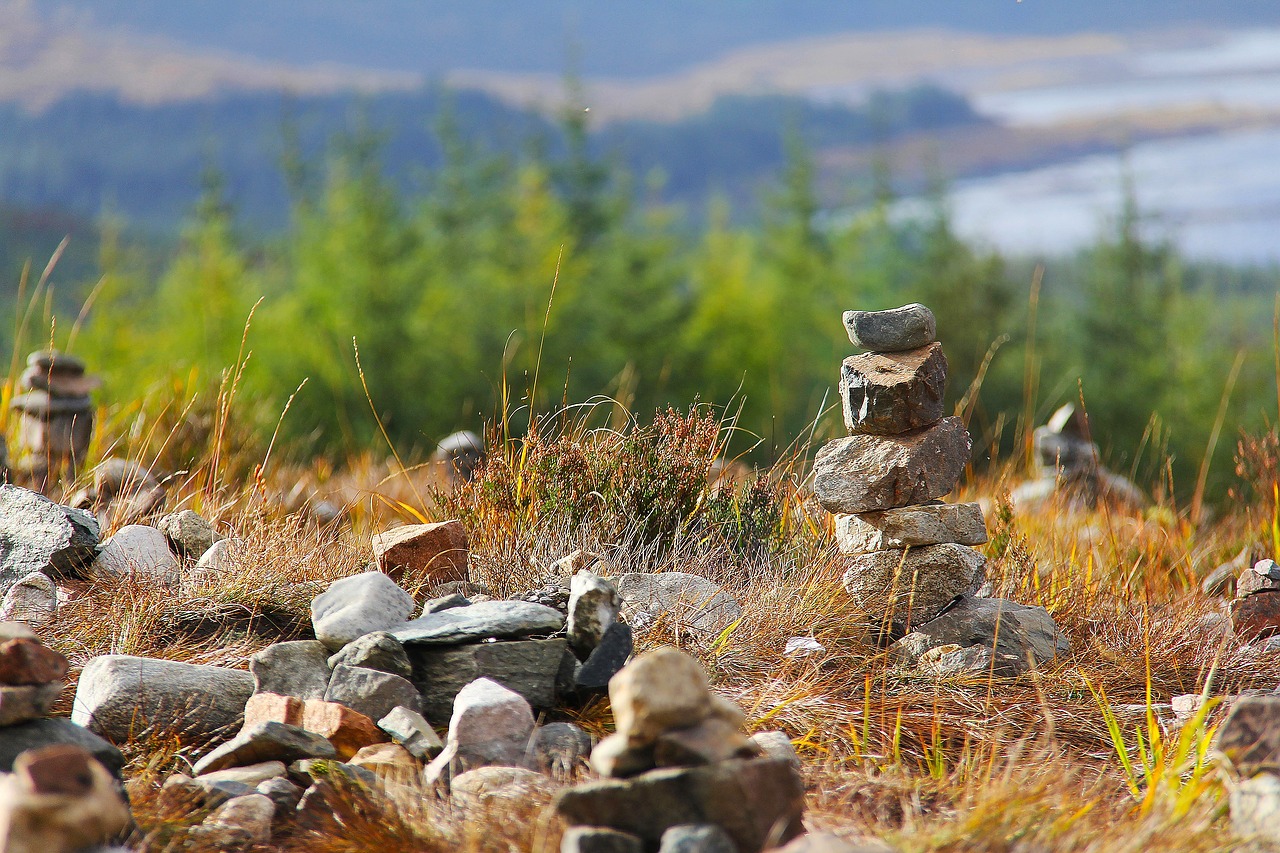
(1073, 757)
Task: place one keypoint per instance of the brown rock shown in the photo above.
(349, 731)
(440, 550)
(892, 393)
(388, 760)
(1250, 735)
(59, 799)
(27, 661)
(1256, 616)
(659, 690)
(866, 473)
(710, 741)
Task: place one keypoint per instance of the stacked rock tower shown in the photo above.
(910, 555)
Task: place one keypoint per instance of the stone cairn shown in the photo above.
(1067, 466)
(56, 415)
(912, 567)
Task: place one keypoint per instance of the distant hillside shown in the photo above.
(611, 39)
(92, 153)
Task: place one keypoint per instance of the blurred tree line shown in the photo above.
(500, 269)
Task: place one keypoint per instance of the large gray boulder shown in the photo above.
(755, 801)
(485, 620)
(1026, 633)
(911, 526)
(891, 393)
(528, 667)
(909, 327)
(913, 586)
(865, 473)
(691, 600)
(354, 606)
(38, 535)
(122, 697)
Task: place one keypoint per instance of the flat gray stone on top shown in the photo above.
(909, 327)
(480, 621)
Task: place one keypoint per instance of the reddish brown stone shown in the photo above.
(1250, 735)
(26, 661)
(59, 769)
(349, 731)
(440, 550)
(892, 393)
(273, 708)
(1256, 616)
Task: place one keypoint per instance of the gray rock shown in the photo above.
(952, 661)
(777, 745)
(611, 655)
(693, 601)
(593, 607)
(250, 776)
(411, 730)
(559, 750)
(20, 703)
(137, 550)
(528, 667)
(237, 824)
(480, 792)
(222, 555)
(445, 602)
(864, 473)
(909, 327)
(1250, 735)
(37, 535)
(591, 839)
(491, 725)
(188, 532)
(891, 393)
(15, 740)
(487, 619)
(755, 802)
(913, 586)
(358, 605)
(33, 600)
(298, 668)
(181, 792)
(1261, 577)
(282, 792)
(379, 651)
(269, 741)
(1255, 807)
(911, 526)
(371, 692)
(696, 838)
(1027, 634)
(123, 697)
(711, 741)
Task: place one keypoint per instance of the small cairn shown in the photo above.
(1068, 467)
(911, 558)
(56, 415)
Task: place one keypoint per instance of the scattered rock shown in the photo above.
(1250, 735)
(892, 393)
(864, 473)
(488, 789)
(181, 793)
(137, 551)
(487, 619)
(123, 697)
(913, 586)
(37, 535)
(591, 839)
(440, 551)
(411, 730)
(266, 742)
(910, 527)
(314, 771)
(559, 750)
(188, 532)
(348, 730)
(33, 599)
(909, 327)
(252, 776)
(528, 667)
(371, 692)
(388, 761)
(222, 556)
(777, 745)
(379, 651)
(358, 605)
(755, 801)
(238, 823)
(299, 668)
(1027, 634)
(490, 725)
(282, 792)
(692, 600)
(593, 607)
(696, 838)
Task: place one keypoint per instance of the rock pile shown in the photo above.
(679, 773)
(912, 567)
(1067, 465)
(1249, 739)
(1255, 611)
(55, 416)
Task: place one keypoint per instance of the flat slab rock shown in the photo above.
(868, 473)
(891, 393)
(527, 667)
(913, 586)
(756, 802)
(487, 619)
(909, 327)
(38, 535)
(1020, 631)
(911, 526)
